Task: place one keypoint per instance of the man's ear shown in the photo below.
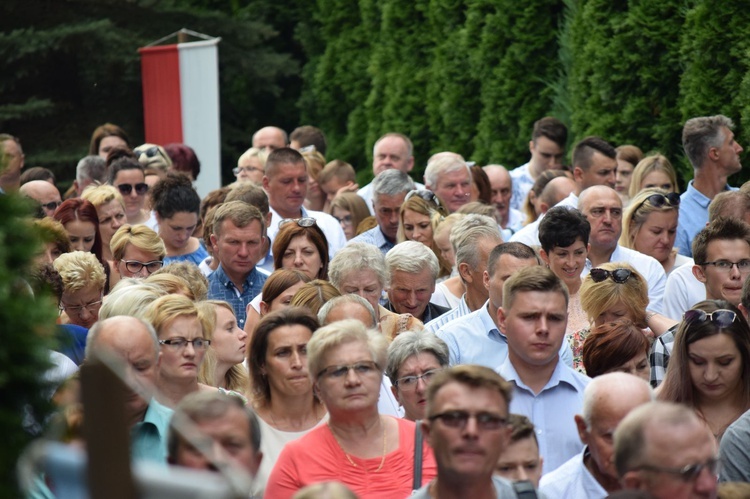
(632, 480)
(486, 280)
(214, 241)
(699, 273)
(577, 174)
(531, 146)
(582, 430)
(265, 182)
(501, 317)
(465, 272)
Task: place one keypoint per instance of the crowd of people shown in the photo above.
(554, 330)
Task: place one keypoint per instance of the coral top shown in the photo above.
(317, 457)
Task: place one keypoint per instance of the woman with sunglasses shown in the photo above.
(709, 369)
(370, 453)
(127, 174)
(420, 215)
(281, 390)
(649, 225)
(177, 207)
(301, 245)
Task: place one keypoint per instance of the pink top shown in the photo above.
(317, 457)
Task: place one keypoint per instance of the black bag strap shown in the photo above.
(524, 490)
(418, 438)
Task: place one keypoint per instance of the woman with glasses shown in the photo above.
(281, 390)
(183, 331)
(83, 281)
(177, 208)
(350, 210)
(709, 368)
(110, 209)
(137, 252)
(223, 365)
(413, 359)
(251, 166)
(370, 453)
(127, 175)
(654, 171)
(649, 225)
(301, 245)
(420, 215)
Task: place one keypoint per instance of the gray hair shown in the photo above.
(467, 233)
(412, 257)
(91, 168)
(701, 134)
(391, 183)
(441, 165)
(129, 297)
(355, 257)
(95, 331)
(345, 298)
(343, 332)
(613, 384)
(410, 343)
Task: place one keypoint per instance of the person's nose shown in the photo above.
(471, 430)
(79, 246)
(243, 250)
(710, 372)
(188, 351)
(242, 335)
(421, 386)
(706, 483)
(734, 272)
(296, 360)
(298, 261)
(521, 473)
(351, 378)
(463, 190)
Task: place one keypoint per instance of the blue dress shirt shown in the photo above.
(220, 287)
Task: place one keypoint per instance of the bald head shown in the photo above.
(348, 306)
(595, 193)
(270, 138)
(44, 193)
(615, 392)
(555, 191)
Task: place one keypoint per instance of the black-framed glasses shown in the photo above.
(722, 317)
(135, 266)
(726, 265)
(687, 473)
(126, 189)
(52, 205)
(248, 169)
(345, 220)
(91, 307)
(149, 152)
(425, 194)
(180, 343)
(658, 200)
(486, 421)
(620, 276)
(302, 222)
(363, 368)
(409, 383)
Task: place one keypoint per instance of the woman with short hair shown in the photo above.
(83, 280)
(617, 346)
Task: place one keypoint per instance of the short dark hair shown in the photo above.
(551, 128)
(514, 249)
(521, 428)
(283, 156)
(612, 344)
(561, 226)
(174, 194)
(308, 135)
(37, 173)
(585, 149)
(720, 229)
(184, 159)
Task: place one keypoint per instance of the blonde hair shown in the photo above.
(129, 297)
(99, 195)
(192, 275)
(637, 213)
(79, 270)
(654, 162)
(171, 284)
(139, 236)
(597, 297)
(164, 310)
(236, 378)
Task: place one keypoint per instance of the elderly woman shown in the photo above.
(371, 454)
(649, 225)
(413, 359)
(709, 369)
(301, 245)
(223, 365)
(653, 171)
(282, 393)
(110, 208)
(251, 166)
(130, 297)
(83, 287)
(183, 331)
(137, 251)
(617, 346)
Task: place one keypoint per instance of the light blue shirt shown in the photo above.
(461, 310)
(552, 411)
(693, 217)
(375, 237)
(522, 184)
(572, 479)
(474, 339)
(149, 437)
(196, 257)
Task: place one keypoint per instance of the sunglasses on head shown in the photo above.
(302, 222)
(149, 153)
(428, 196)
(620, 276)
(126, 189)
(658, 200)
(722, 317)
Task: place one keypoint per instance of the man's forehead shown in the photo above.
(128, 340)
(717, 248)
(601, 198)
(391, 145)
(287, 170)
(388, 201)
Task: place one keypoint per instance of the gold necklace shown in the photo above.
(382, 460)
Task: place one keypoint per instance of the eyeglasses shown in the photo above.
(52, 205)
(248, 169)
(126, 189)
(135, 266)
(150, 152)
(726, 265)
(302, 222)
(620, 276)
(364, 368)
(658, 200)
(428, 196)
(180, 343)
(77, 310)
(722, 317)
(687, 473)
(486, 421)
(345, 220)
(409, 383)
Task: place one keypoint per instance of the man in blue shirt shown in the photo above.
(710, 147)
(238, 235)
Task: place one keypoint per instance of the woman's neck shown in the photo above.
(668, 262)
(293, 412)
(190, 246)
(573, 286)
(719, 414)
(173, 390)
(354, 427)
(138, 218)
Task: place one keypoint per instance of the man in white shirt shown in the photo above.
(502, 189)
(449, 177)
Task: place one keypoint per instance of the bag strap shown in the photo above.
(524, 490)
(418, 438)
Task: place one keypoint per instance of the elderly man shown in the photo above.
(467, 428)
(270, 138)
(665, 450)
(90, 169)
(228, 433)
(12, 163)
(448, 176)
(412, 269)
(502, 189)
(43, 192)
(348, 306)
(602, 207)
(389, 190)
(134, 342)
(591, 474)
(237, 241)
(392, 151)
(711, 148)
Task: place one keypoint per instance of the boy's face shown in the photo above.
(520, 461)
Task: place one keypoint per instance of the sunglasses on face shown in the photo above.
(658, 200)
(140, 189)
(149, 153)
(721, 318)
(687, 473)
(620, 276)
(302, 222)
(52, 205)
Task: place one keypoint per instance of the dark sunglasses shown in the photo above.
(149, 153)
(302, 222)
(126, 189)
(52, 205)
(658, 200)
(722, 317)
(428, 196)
(620, 276)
